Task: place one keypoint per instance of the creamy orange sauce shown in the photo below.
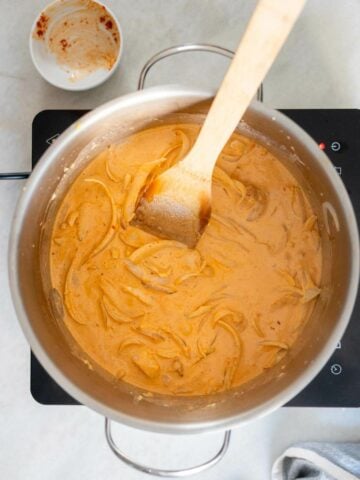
(182, 321)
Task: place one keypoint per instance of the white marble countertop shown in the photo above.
(319, 67)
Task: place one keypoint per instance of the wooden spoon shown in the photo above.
(177, 204)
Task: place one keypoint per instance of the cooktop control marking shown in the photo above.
(335, 146)
(50, 140)
(339, 170)
(336, 369)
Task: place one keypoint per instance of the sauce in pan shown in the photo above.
(183, 321)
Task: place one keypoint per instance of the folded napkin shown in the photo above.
(319, 461)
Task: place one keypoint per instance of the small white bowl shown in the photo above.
(46, 62)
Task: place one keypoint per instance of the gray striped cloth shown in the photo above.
(319, 461)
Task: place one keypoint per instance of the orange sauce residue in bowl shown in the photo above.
(81, 34)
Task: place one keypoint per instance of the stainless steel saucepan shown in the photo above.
(37, 308)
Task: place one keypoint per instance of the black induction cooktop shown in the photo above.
(338, 133)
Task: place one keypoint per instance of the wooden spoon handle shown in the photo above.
(267, 31)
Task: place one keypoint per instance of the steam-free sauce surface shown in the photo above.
(182, 321)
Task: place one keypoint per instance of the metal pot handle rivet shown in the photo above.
(186, 472)
(190, 47)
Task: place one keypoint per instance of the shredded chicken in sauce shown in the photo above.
(182, 321)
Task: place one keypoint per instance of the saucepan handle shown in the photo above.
(157, 472)
(190, 47)
(14, 175)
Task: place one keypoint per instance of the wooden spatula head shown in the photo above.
(176, 205)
